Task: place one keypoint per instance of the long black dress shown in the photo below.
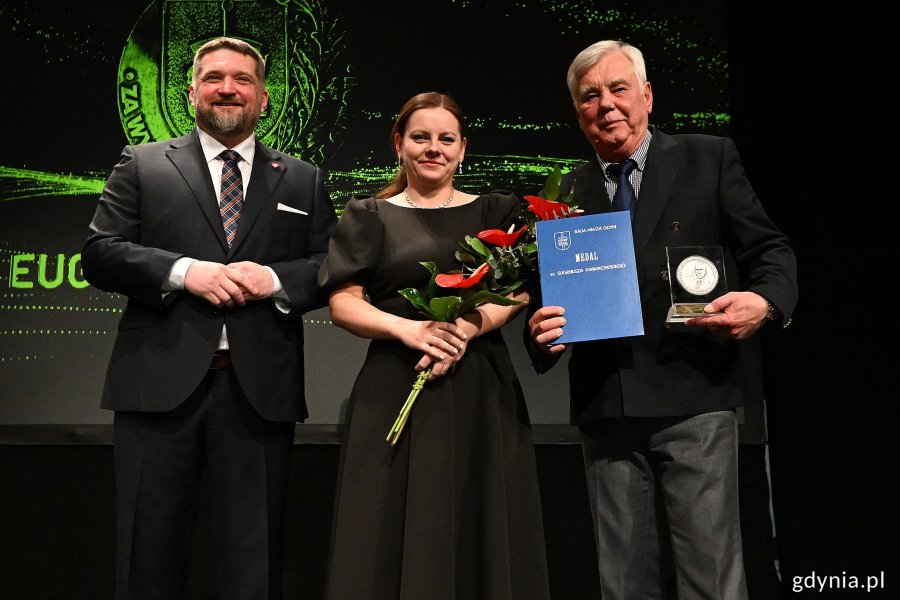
(452, 511)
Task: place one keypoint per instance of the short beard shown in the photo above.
(220, 124)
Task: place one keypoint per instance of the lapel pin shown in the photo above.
(276, 165)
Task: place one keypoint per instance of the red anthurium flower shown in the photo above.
(498, 237)
(458, 280)
(547, 209)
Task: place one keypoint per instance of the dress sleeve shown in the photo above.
(355, 248)
(504, 209)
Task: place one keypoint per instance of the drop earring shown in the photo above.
(459, 167)
(399, 162)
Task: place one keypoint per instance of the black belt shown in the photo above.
(221, 360)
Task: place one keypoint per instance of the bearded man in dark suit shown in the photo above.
(216, 240)
(657, 411)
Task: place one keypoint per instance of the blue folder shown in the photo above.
(587, 266)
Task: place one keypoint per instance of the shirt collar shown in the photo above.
(213, 147)
(639, 156)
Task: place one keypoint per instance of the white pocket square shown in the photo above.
(291, 209)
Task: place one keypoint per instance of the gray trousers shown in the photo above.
(664, 499)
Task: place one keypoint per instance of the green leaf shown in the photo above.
(483, 297)
(551, 186)
(446, 308)
(466, 257)
(416, 299)
(529, 262)
(414, 296)
(478, 246)
(511, 287)
(432, 286)
(570, 196)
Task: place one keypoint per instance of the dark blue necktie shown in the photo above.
(231, 194)
(624, 198)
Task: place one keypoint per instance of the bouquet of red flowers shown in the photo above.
(494, 263)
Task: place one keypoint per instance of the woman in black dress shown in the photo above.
(452, 511)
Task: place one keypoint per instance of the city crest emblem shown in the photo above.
(294, 37)
(562, 240)
(190, 24)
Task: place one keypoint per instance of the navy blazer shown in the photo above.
(694, 192)
(158, 205)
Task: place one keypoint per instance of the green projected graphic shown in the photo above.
(21, 184)
(337, 72)
(302, 47)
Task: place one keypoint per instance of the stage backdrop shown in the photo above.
(84, 79)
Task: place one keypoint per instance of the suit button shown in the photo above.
(675, 226)
(664, 275)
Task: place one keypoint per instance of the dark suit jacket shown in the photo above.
(159, 205)
(693, 193)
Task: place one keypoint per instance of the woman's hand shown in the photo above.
(442, 344)
(440, 367)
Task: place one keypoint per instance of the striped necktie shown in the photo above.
(231, 195)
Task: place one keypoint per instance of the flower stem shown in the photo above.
(397, 428)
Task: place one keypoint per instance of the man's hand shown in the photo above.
(546, 325)
(741, 314)
(255, 280)
(215, 282)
